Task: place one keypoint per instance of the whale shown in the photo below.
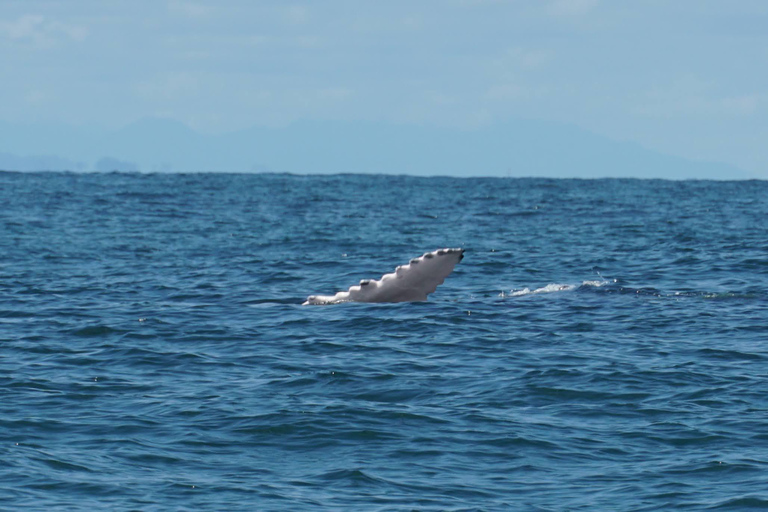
(408, 283)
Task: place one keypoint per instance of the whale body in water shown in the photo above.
(408, 283)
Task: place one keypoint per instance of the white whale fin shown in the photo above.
(408, 283)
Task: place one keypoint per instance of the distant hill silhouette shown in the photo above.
(514, 148)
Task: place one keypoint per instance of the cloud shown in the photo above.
(441, 98)
(26, 27)
(745, 105)
(412, 23)
(38, 30)
(509, 91)
(189, 9)
(480, 2)
(694, 98)
(511, 71)
(335, 93)
(517, 58)
(297, 14)
(37, 97)
(169, 87)
(571, 7)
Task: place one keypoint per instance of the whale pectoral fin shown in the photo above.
(412, 282)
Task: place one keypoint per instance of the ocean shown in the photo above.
(602, 346)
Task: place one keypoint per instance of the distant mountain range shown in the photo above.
(516, 148)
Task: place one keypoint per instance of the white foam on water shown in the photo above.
(598, 284)
(550, 288)
(556, 287)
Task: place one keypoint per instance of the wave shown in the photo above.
(556, 287)
(612, 286)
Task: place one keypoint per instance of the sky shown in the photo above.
(687, 78)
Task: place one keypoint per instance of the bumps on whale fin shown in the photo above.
(408, 283)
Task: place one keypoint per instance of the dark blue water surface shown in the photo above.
(603, 345)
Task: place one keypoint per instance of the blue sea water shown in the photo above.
(603, 345)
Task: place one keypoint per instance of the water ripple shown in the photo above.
(601, 346)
